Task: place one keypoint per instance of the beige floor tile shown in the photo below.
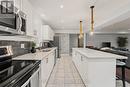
(80, 85)
(66, 75)
(78, 81)
(69, 81)
(51, 85)
(70, 85)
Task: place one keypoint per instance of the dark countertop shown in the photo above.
(118, 52)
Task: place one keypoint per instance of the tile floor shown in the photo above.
(66, 75)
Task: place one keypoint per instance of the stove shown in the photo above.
(13, 73)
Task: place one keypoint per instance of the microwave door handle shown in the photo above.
(20, 23)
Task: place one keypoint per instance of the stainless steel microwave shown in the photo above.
(14, 23)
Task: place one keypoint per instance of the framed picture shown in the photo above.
(7, 7)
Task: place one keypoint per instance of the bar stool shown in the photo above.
(120, 64)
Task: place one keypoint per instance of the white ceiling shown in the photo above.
(73, 11)
(119, 27)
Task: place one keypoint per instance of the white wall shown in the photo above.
(99, 38)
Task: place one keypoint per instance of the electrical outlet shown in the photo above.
(22, 46)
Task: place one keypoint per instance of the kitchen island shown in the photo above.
(96, 68)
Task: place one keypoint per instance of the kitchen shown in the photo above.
(47, 43)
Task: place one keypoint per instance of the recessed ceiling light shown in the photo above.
(62, 21)
(61, 6)
(42, 15)
(63, 27)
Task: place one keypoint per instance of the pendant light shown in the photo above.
(81, 30)
(92, 20)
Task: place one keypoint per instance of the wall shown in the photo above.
(99, 38)
(63, 43)
(73, 41)
(64, 40)
(16, 46)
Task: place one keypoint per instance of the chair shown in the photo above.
(121, 64)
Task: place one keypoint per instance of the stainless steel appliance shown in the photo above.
(17, 73)
(14, 23)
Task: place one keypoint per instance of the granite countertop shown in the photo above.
(90, 53)
(39, 55)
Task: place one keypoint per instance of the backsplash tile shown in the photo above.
(16, 46)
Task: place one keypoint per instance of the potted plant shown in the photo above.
(33, 50)
(122, 41)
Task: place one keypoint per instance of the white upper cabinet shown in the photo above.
(18, 4)
(28, 10)
(47, 33)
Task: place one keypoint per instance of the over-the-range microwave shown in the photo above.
(14, 23)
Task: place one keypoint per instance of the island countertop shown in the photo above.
(91, 53)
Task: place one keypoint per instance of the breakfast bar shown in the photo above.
(96, 68)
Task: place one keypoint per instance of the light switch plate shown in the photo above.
(22, 46)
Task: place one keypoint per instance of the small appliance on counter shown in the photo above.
(17, 73)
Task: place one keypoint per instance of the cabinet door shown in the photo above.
(28, 10)
(18, 4)
(44, 72)
(35, 79)
(45, 31)
(84, 69)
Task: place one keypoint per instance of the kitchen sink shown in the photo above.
(46, 50)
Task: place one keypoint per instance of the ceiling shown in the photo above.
(66, 14)
(119, 27)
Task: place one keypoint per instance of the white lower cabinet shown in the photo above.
(47, 65)
(80, 62)
(95, 71)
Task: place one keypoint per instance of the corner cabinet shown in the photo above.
(47, 33)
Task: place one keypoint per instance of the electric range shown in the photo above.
(14, 73)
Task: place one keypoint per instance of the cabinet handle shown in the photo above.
(46, 60)
(82, 58)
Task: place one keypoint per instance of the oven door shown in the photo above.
(26, 84)
(34, 80)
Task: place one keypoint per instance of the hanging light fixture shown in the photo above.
(81, 30)
(92, 20)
